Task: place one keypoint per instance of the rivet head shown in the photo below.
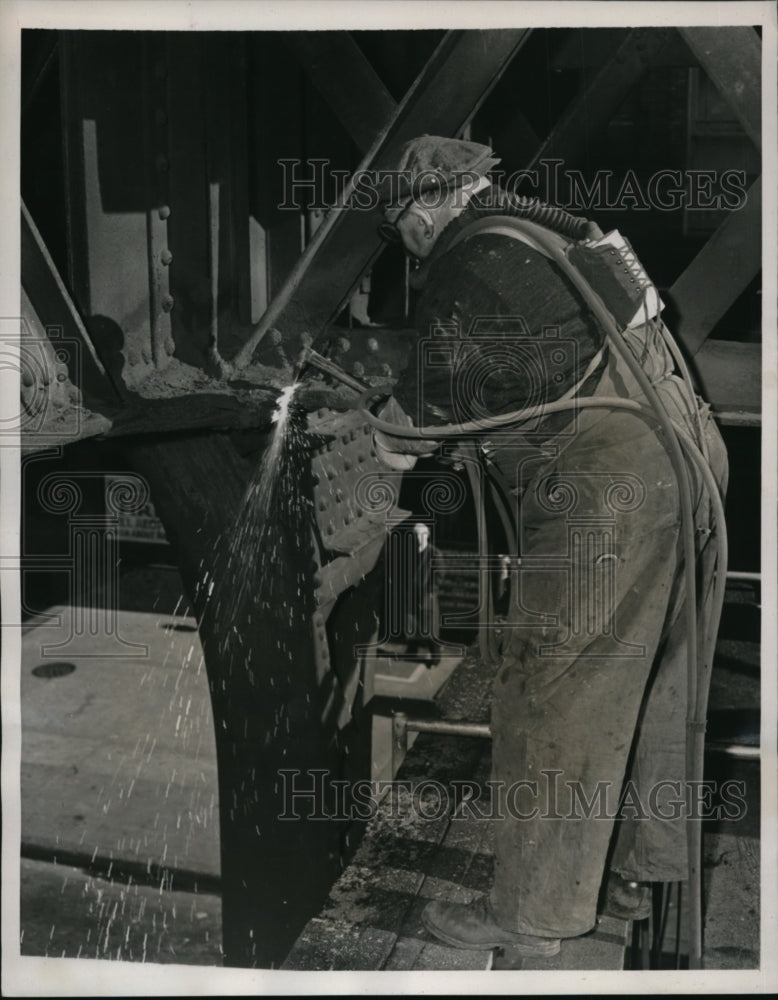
(167, 303)
(164, 211)
(166, 257)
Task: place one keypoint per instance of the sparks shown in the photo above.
(282, 404)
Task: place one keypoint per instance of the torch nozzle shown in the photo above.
(311, 357)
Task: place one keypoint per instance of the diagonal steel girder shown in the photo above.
(342, 74)
(732, 257)
(444, 97)
(732, 58)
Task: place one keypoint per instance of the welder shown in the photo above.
(591, 694)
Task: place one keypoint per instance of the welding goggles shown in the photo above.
(388, 229)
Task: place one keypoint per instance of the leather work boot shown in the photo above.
(471, 925)
(626, 899)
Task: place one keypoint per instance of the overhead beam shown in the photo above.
(446, 94)
(719, 273)
(340, 71)
(732, 58)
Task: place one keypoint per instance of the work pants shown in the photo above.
(594, 674)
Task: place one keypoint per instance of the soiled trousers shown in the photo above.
(592, 687)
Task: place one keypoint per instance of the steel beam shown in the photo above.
(591, 111)
(732, 58)
(343, 76)
(446, 94)
(719, 273)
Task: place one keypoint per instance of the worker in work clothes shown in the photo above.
(421, 594)
(590, 696)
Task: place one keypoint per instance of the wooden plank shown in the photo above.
(344, 77)
(732, 58)
(719, 273)
(460, 74)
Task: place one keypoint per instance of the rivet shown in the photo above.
(164, 211)
(322, 505)
(166, 256)
(358, 369)
(167, 303)
(372, 345)
(170, 345)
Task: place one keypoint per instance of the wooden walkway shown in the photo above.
(421, 845)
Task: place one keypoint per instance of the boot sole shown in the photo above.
(545, 948)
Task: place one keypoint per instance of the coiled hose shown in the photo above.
(550, 216)
(677, 442)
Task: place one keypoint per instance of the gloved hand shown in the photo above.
(399, 453)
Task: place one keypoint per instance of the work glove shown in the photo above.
(399, 453)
